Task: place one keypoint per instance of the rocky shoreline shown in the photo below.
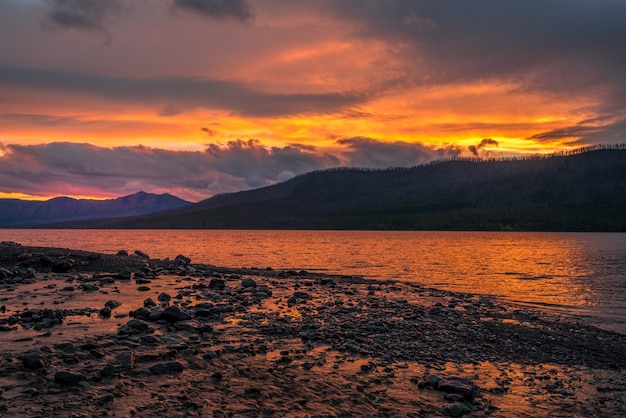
(88, 334)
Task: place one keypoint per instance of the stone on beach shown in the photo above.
(35, 360)
(299, 297)
(112, 304)
(217, 284)
(167, 368)
(189, 325)
(456, 385)
(105, 312)
(68, 378)
(142, 254)
(164, 297)
(248, 283)
(174, 314)
(63, 266)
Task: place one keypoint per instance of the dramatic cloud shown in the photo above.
(606, 129)
(484, 143)
(258, 165)
(567, 48)
(370, 153)
(85, 15)
(218, 9)
(178, 94)
(84, 169)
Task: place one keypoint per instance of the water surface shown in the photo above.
(579, 274)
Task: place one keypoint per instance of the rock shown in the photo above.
(190, 325)
(431, 382)
(126, 359)
(298, 296)
(135, 326)
(167, 368)
(213, 313)
(35, 360)
(105, 400)
(155, 315)
(456, 410)
(124, 275)
(164, 297)
(140, 313)
(87, 287)
(108, 370)
(264, 289)
(454, 397)
(149, 303)
(113, 304)
(67, 378)
(184, 259)
(24, 256)
(217, 284)
(460, 386)
(142, 254)
(150, 340)
(45, 261)
(105, 312)
(4, 328)
(63, 266)
(252, 393)
(174, 314)
(138, 325)
(122, 253)
(143, 288)
(93, 256)
(248, 283)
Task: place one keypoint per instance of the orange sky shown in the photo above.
(205, 97)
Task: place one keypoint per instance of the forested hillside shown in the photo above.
(585, 191)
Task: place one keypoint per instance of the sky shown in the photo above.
(105, 98)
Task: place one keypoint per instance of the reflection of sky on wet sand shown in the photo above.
(580, 274)
(48, 293)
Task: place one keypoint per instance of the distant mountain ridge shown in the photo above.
(23, 213)
(585, 191)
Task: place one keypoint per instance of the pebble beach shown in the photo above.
(123, 335)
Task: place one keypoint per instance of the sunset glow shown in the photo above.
(228, 99)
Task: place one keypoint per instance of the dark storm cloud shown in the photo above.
(72, 168)
(559, 47)
(231, 167)
(482, 144)
(259, 165)
(85, 15)
(570, 132)
(218, 9)
(492, 37)
(370, 153)
(175, 95)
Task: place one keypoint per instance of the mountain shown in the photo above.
(585, 191)
(23, 213)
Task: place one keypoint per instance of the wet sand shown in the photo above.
(117, 335)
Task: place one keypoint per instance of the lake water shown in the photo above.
(582, 275)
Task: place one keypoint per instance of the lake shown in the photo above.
(581, 275)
